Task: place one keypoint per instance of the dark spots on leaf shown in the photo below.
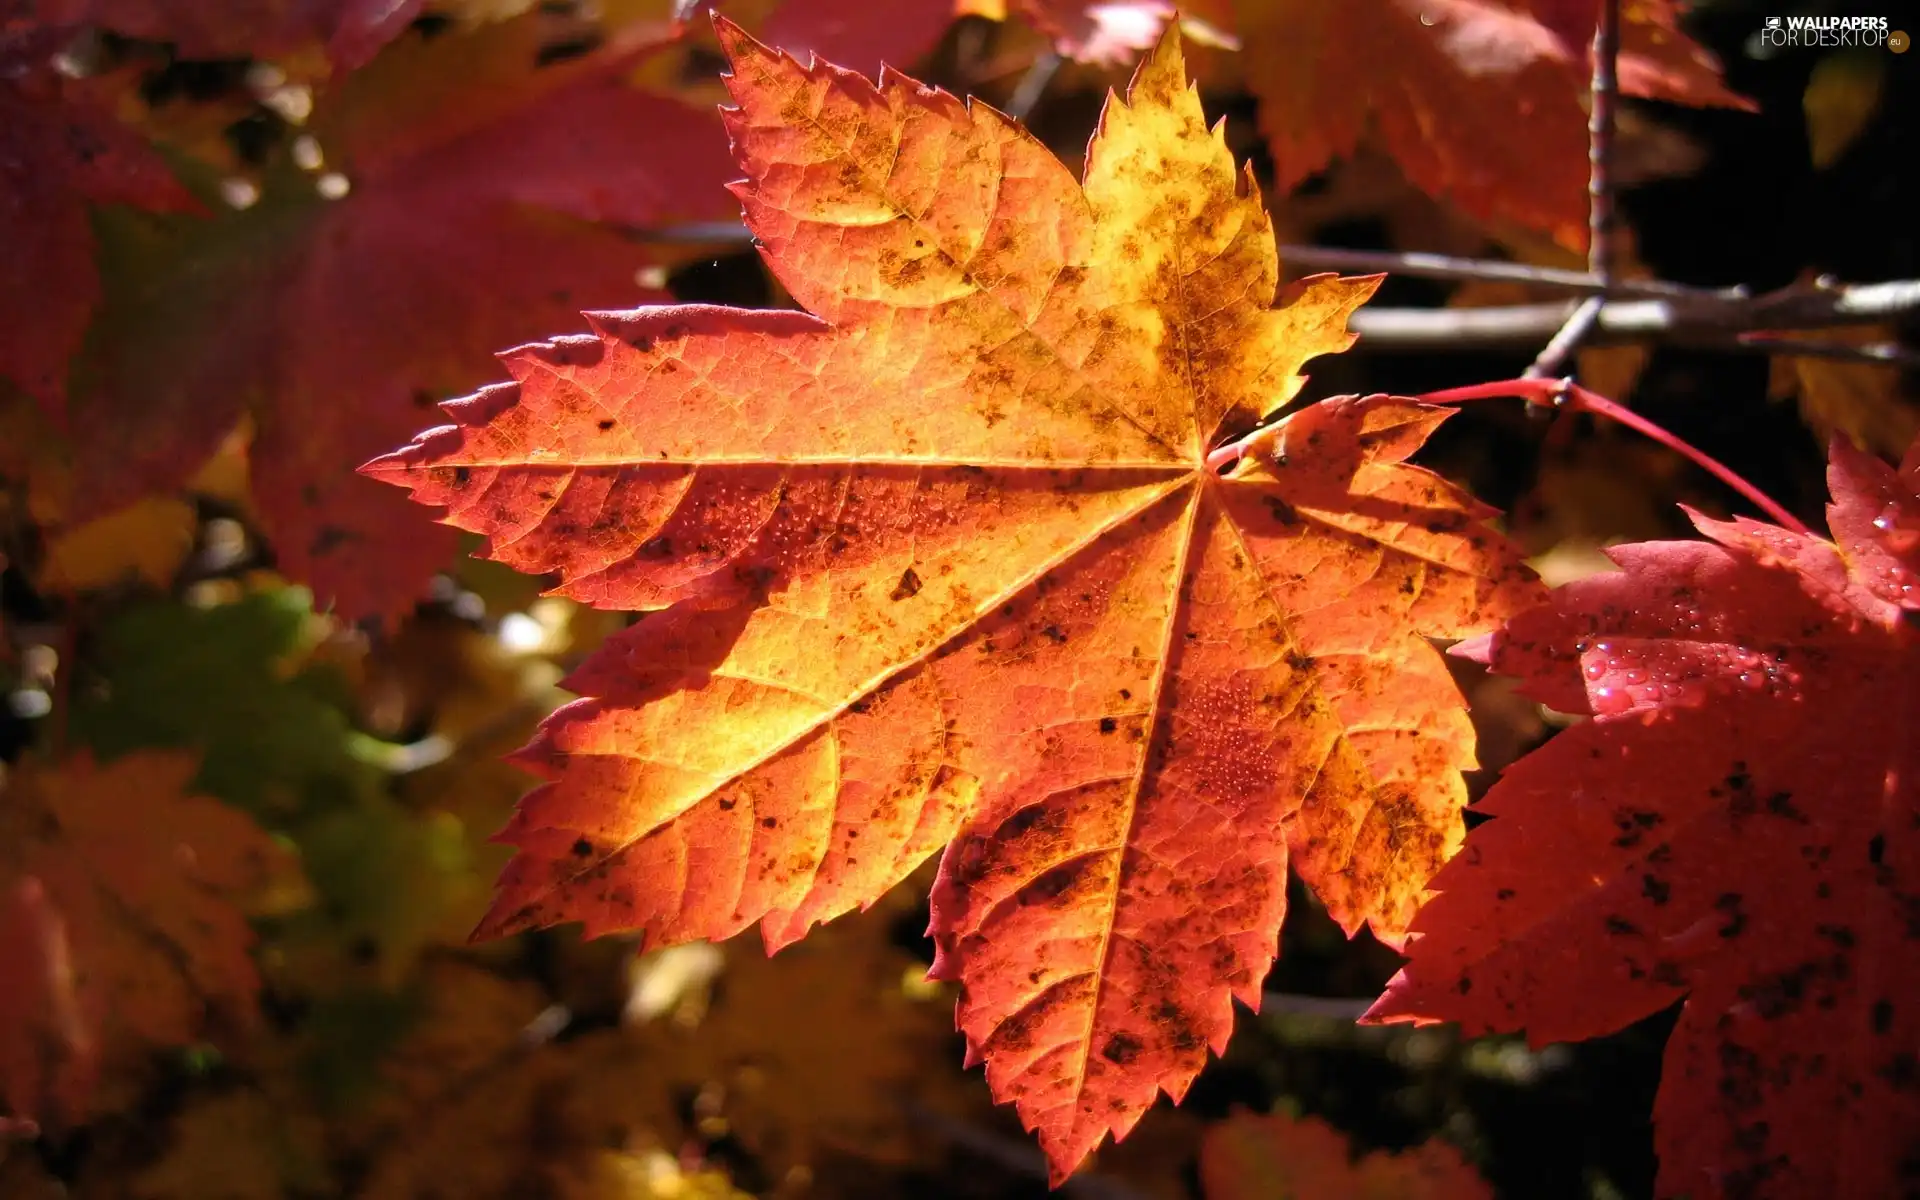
(1125, 694)
(1504, 894)
(909, 272)
(1839, 935)
(1035, 818)
(863, 704)
(1655, 889)
(1902, 1072)
(641, 342)
(582, 848)
(908, 587)
(1877, 849)
(1464, 985)
(1408, 586)
(1108, 724)
(657, 547)
(329, 539)
(769, 823)
(1122, 1048)
(460, 475)
(728, 804)
(1633, 825)
(605, 424)
(1740, 1077)
(1729, 903)
(1621, 926)
(1281, 511)
(1054, 634)
(1881, 1016)
(565, 49)
(1299, 661)
(1177, 1027)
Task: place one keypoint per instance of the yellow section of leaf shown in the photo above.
(1862, 400)
(144, 542)
(1841, 97)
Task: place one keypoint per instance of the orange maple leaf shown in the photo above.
(121, 921)
(944, 561)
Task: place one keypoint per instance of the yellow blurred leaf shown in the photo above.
(1841, 97)
(650, 1175)
(146, 541)
(1862, 400)
(237, 1146)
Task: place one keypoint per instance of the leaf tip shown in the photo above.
(736, 43)
(1474, 649)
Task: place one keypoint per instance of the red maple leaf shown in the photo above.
(1479, 101)
(473, 179)
(1738, 825)
(943, 560)
(60, 152)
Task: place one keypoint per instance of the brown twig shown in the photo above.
(1552, 360)
(1308, 258)
(1709, 321)
(1033, 85)
(1449, 267)
(1638, 310)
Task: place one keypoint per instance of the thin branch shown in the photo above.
(1309, 258)
(1016, 1157)
(1579, 326)
(1719, 322)
(1552, 359)
(1605, 98)
(1033, 85)
(1448, 267)
(1330, 1008)
(1644, 310)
